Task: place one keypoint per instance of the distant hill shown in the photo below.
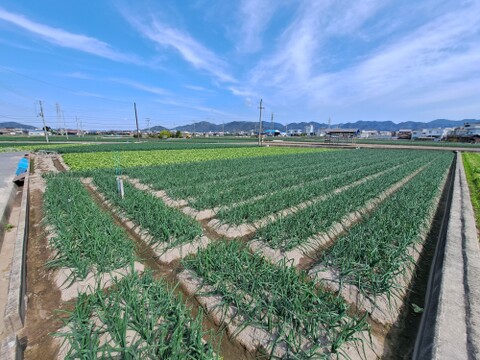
(15, 125)
(155, 128)
(236, 126)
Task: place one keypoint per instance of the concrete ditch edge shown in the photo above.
(15, 308)
(10, 348)
(456, 334)
(6, 211)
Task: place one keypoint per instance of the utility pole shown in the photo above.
(81, 127)
(223, 127)
(43, 118)
(194, 129)
(78, 129)
(148, 125)
(329, 121)
(260, 124)
(59, 118)
(271, 122)
(64, 126)
(136, 120)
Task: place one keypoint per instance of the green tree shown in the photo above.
(164, 134)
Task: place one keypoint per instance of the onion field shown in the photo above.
(261, 283)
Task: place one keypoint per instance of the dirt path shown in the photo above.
(43, 296)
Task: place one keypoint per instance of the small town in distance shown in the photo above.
(466, 133)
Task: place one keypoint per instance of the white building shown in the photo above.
(364, 134)
(37, 132)
(428, 134)
(309, 130)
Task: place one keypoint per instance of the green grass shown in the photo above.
(471, 162)
(86, 238)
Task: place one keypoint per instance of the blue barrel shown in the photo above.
(22, 166)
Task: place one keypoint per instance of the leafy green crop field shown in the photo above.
(82, 161)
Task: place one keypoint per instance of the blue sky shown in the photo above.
(186, 61)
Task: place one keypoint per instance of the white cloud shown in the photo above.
(198, 88)
(205, 109)
(136, 85)
(255, 16)
(406, 66)
(439, 52)
(66, 39)
(300, 51)
(189, 49)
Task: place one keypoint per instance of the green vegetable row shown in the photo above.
(86, 238)
(375, 251)
(277, 298)
(137, 318)
(286, 197)
(293, 230)
(166, 225)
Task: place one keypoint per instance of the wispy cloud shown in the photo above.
(300, 51)
(66, 39)
(192, 51)
(79, 75)
(205, 109)
(255, 16)
(444, 49)
(198, 88)
(137, 85)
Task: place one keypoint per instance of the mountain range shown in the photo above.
(236, 126)
(15, 125)
(246, 126)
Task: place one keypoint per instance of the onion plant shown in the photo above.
(137, 318)
(294, 230)
(376, 251)
(276, 298)
(166, 225)
(85, 237)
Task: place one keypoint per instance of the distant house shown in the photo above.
(36, 132)
(294, 132)
(272, 132)
(427, 134)
(405, 134)
(342, 133)
(365, 134)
